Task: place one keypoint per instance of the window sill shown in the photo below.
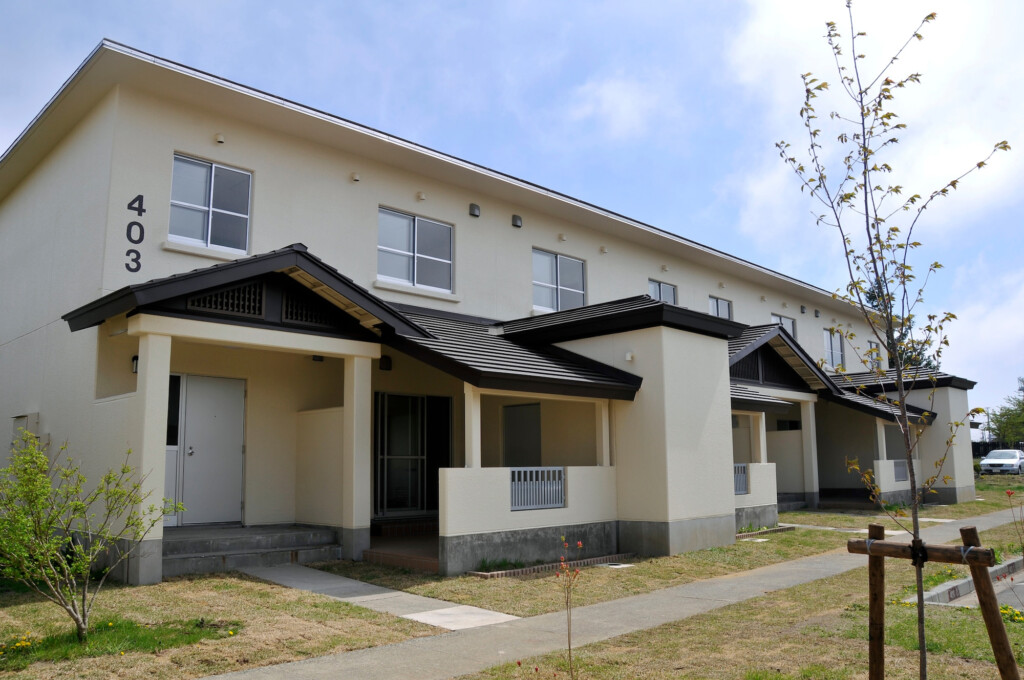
(413, 290)
(221, 255)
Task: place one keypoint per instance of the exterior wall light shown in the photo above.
(219, 138)
(817, 313)
(420, 196)
(135, 364)
(474, 210)
(803, 309)
(354, 177)
(517, 221)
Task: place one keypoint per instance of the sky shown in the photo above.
(666, 112)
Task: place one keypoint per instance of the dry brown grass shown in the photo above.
(278, 625)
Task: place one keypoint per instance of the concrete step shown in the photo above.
(230, 560)
(192, 541)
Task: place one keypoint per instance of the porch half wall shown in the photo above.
(477, 521)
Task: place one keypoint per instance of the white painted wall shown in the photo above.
(319, 476)
(785, 450)
(761, 484)
(478, 500)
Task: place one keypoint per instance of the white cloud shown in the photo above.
(621, 107)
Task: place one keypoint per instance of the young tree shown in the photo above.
(55, 534)
(876, 222)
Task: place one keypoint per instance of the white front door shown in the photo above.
(212, 449)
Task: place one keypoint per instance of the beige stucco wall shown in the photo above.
(478, 500)
(278, 387)
(761, 484)
(785, 450)
(303, 192)
(318, 466)
(568, 431)
(741, 439)
(951, 405)
(843, 433)
(673, 444)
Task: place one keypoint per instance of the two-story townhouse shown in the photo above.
(292, 319)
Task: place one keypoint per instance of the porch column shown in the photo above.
(472, 426)
(880, 439)
(145, 566)
(356, 459)
(758, 439)
(604, 447)
(809, 438)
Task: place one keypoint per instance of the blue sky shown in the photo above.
(667, 112)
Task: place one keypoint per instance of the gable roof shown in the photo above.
(787, 347)
(472, 352)
(294, 260)
(617, 316)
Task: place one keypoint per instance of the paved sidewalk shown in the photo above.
(474, 649)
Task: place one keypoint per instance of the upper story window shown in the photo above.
(665, 292)
(414, 250)
(786, 322)
(834, 351)
(874, 355)
(209, 205)
(558, 281)
(719, 307)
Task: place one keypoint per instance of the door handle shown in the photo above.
(191, 451)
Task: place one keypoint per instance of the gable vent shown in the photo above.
(304, 311)
(244, 300)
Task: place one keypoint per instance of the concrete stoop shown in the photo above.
(206, 550)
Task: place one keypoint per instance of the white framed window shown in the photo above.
(874, 355)
(834, 351)
(719, 307)
(414, 250)
(209, 205)
(558, 281)
(660, 290)
(786, 322)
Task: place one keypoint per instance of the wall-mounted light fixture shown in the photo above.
(385, 362)
(562, 238)
(764, 298)
(817, 313)
(219, 138)
(354, 177)
(803, 309)
(517, 221)
(474, 210)
(135, 364)
(318, 358)
(721, 284)
(420, 196)
(629, 356)
(603, 250)
(664, 267)
(785, 305)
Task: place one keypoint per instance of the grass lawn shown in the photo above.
(849, 519)
(246, 623)
(816, 631)
(539, 594)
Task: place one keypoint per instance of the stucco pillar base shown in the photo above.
(354, 542)
(947, 495)
(656, 539)
(146, 563)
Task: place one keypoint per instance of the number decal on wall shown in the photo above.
(135, 233)
(133, 264)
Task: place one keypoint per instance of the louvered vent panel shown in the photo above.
(746, 368)
(305, 312)
(244, 300)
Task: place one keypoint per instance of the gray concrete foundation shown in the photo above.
(354, 542)
(947, 495)
(459, 554)
(757, 516)
(655, 539)
(146, 563)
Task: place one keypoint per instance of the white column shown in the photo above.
(604, 438)
(357, 459)
(758, 439)
(472, 426)
(150, 449)
(809, 437)
(880, 452)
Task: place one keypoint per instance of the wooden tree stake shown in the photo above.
(876, 613)
(989, 605)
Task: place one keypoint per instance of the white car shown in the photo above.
(1003, 461)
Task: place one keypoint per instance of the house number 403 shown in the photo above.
(135, 233)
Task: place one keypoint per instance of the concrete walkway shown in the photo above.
(474, 649)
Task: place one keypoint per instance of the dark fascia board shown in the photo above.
(478, 378)
(739, 404)
(871, 384)
(783, 334)
(632, 320)
(915, 416)
(131, 297)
